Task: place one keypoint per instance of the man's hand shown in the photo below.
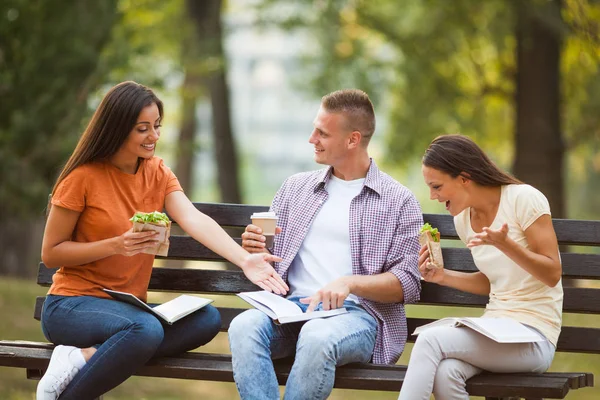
(257, 269)
(253, 241)
(332, 295)
(490, 237)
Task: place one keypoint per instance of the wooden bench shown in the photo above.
(34, 356)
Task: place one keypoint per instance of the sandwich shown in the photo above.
(154, 221)
(430, 237)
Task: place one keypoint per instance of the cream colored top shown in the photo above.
(514, 293)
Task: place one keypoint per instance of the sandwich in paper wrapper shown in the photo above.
(154, 221)
(430, 237)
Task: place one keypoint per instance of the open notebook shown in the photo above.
(501, 330)
(283, 310)
(171, 311)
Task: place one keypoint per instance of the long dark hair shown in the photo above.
(459, 155)
(111, 124)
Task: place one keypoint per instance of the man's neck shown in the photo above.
(353, 168)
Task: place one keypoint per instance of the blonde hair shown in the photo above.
(356, 107)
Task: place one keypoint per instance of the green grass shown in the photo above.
(17, 299)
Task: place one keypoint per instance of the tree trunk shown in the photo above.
(225, 152)
(207, 17)
(20, 244)
(186, 145)
(538, 138)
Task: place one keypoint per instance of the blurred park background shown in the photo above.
(242, 80)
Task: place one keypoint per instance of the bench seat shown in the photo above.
(34, 357)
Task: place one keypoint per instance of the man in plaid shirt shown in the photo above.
(348, 237)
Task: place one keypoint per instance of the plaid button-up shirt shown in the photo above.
(385, 219)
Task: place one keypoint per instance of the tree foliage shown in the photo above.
(49, 63)
(57, 57)
(440, 66)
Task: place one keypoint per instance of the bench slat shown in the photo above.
(352, 376)
(184, 280)
(572, 339)
(187, 248)
(578, 232)
(503, 385)
(580, 266)
(580, 300)
(234, 215)
(577, 300)
(575, 265)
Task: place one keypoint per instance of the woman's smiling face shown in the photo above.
(446, 189)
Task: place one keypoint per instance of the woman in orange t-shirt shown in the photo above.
(111, 174)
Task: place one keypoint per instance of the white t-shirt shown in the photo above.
(514, 293)
(324, 255)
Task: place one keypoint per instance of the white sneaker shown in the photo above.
(64, 365)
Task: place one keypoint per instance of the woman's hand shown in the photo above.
(490, 237)
(131, 243)
(257, 269)
(429, 271)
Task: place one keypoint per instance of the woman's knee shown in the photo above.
(212, 318)
(147, 332)
(209, 323)
(423, 343)
(430, 338)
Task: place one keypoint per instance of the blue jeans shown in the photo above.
(319, 346)
(125, 336)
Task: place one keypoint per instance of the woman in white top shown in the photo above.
(508, 227)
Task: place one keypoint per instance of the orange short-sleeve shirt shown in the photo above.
(106, 197)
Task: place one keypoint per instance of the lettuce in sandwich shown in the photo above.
(433, 231)
(154, 217)
(430, 237)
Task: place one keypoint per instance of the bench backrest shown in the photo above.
(576, 266)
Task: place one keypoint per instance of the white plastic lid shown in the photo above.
(265, 215)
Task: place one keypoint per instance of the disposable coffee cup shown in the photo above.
(267, 221)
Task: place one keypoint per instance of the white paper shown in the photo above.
(501, 330)
(171, 311)
(283, 310)
(280, 306)
(174, 309)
